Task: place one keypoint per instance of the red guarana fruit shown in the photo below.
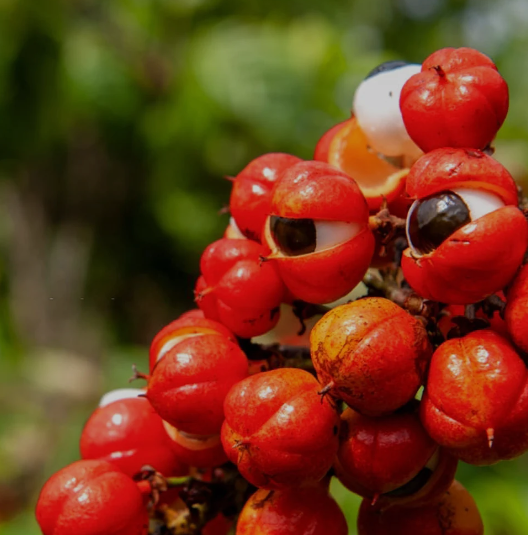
(371, 354)
(306, 511)
(126, 431)
(91, 497)
(380, 455)
(476, 398)
(454, 513)
(278, 430)
(238, 289)
(516, 311)
(466, 234)
(346, 148)
(186, 326)
(188, 384)
(251, 194)
(318, 232)
(200, 451)
(458, 100)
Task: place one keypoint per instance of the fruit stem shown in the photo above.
(136, 374)
(490, 432)
(439, 71)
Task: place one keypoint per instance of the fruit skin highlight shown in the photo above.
(482, 256)
(306, 511)
(91, 497)
(252, 189)
(476, 399)
(278, 430)
(372, 354)
(318, 192)
(130, 434)
(459, 99)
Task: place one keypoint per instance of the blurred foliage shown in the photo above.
(118, 121)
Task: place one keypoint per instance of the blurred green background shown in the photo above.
(118, 121)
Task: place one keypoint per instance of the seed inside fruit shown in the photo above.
(433, 219)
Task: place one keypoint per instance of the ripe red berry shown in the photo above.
(454, 513)
(318, 232)
(306, 511)
(349, 151)
(186, 326)
(516, 309)
(382, 455)
(188, 385)
(476, 398)
(126, 431)
(371, 354)
(91, 497)
(200, 451)
(238, 289)
(251, 193)
(466, 234)
(458, 100)
(278, 430)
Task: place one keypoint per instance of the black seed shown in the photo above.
(387, 66)
(413, 486)
(435, 218)
(294, 237)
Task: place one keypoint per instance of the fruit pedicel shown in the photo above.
(393, 391)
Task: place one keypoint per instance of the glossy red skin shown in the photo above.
(381, 454)
(91, 497)
(308, 511)
(188, 385)
(198, 451)
(476, 383)
(516, 310)
(251, 194)
(449, 168)
(323, 145)
(463, 106)
(192, 322)
(278, 431)
(372, 352)
(481, 257)
(477, 260)
(454, 513)
(244, 291)
(129, 434)
(318, 191)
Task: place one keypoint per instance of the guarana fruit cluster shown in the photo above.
(232, 435)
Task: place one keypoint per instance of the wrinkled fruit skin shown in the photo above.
(372, 352)
(196, 450)
(317, 191)
(188, 324)
(475, 384)
(307, 511)
(458, 100)
(481, 257)
(91, 497)
(238, 289)
(188, 385)
(278, 431)
(129, 434)
(251, 194)
(516, 310)
(455, 513)
(378, 455)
